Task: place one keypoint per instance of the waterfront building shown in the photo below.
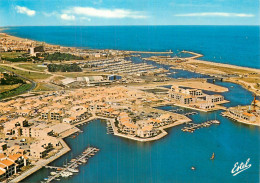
(147, 131)
(40, 149)
(195, 97)
(239, 113)
(11, 164)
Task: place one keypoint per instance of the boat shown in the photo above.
(213, 156)
(66, 174)
(53, 173)
(193, 168)
(83, 161)
(73, 170)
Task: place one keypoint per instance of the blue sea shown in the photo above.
(169, 159)
(237, 45)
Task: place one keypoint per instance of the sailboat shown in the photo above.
(213, 156)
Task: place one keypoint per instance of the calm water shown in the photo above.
(238, 45)
(168, 159)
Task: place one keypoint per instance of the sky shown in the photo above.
(128, 12)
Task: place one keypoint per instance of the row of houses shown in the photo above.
(145, 127)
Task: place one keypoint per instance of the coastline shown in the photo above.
(230, 73)
(164, 133)
(225, 114)
(192, 59)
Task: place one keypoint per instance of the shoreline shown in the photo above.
(192, 58)
(161, 135)
(230, 73)
(227, 115)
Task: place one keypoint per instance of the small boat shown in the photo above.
(53, 173)
(45, 179)
(73, 136)
(66, 174)
(73, 170)
(59, 169)
(83, 161)
(213, 156)
(193, 168)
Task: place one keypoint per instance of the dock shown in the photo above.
(90, 151)
(196, 55)
(193, 126)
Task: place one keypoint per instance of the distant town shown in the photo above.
(47, 91)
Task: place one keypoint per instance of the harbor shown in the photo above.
(121, 66)
(71, 168)
(122, 160)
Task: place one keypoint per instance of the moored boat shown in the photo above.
(73, 170)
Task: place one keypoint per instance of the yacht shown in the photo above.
(73, 170)
(66, 174)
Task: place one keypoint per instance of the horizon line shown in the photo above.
(119, 25)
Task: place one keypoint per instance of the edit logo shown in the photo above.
(238, 168)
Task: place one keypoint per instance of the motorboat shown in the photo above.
(53, 173)
(66, 174)
(73, 170)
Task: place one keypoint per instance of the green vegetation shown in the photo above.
(157, 90)
(23, 88)
(27, 74)
(46, 87)
(17, 57)
(57, 56)
(11, 54)
(9, 79)
(33, 67)
(21, 59)
(4, 88)
(64, 68)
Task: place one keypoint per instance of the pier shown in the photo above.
(152, 52)
(194, 126)
(90, 151)
(196, 55)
